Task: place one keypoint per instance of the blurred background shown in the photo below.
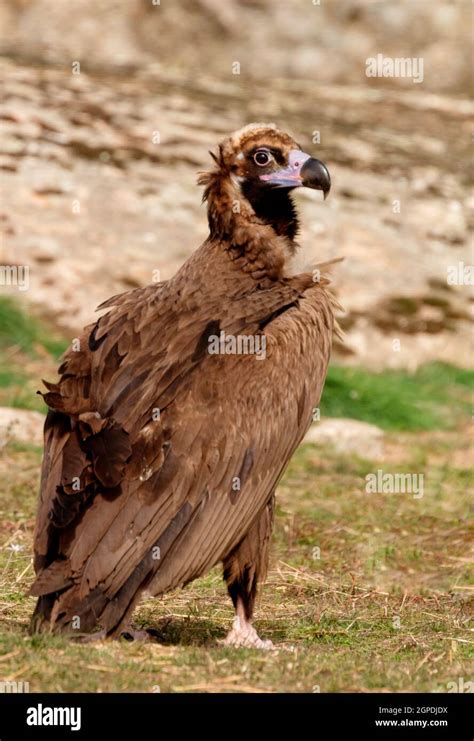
(109, 108)
(107, 111)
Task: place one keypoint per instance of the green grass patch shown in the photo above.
(26, 332)
(29, 351)
(436, 396)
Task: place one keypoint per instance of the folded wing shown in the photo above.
(159, 455)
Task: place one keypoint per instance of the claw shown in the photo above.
(244, 635)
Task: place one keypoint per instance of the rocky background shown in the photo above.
(109, 107)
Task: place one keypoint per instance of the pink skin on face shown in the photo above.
(289, 176)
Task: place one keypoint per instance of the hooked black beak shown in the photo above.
(301, 170)
(315, 174)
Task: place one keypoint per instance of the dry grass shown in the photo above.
(385, 607)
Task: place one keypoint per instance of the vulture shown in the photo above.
(178, 410)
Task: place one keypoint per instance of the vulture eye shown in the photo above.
(262, 158)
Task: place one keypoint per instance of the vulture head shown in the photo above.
(256, 169)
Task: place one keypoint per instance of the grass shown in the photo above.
(365, 592)
(382, 605)
(29, 350)
(29, 334)
(436, 396)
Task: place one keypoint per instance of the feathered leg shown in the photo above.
(244, 567)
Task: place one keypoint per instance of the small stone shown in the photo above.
(44, 249)
(22, 425)
(449, 225)
(347, 436)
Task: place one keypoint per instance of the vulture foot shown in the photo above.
(244, 635)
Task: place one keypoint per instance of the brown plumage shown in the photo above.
(161, 459)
